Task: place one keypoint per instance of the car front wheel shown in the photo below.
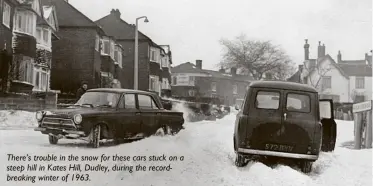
(306, 166)
(95, 136)
(53, 139)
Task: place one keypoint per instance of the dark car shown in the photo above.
(106, 113)
(283, 120)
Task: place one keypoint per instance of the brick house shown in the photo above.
(28, 59)
(166, 71)
(85, 52)
(150, 58)
(344, 81)
(191, 80)
(7, 8)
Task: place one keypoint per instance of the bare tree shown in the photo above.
(255, 57)
(318, 70)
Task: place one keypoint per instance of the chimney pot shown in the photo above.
(306, 50)
(319, 43)
(199, 63)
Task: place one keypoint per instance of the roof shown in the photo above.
(295, 77)
(68, 15)
(188, 67)
(119, 90)
(321, 59)
(356, 69)
(359, 62)
(283, 85)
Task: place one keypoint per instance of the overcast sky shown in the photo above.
(193, 28)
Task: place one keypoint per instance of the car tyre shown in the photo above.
(306, 166)
(240, 160)
(96, 134)
(53, 139)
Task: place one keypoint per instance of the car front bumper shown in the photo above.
(277, 154)
(56, 131)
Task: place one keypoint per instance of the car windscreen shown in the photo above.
(96, 99)
(298, 102)
(267, 100)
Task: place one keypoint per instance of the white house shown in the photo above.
(344, 82)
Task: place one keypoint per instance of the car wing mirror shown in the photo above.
(236, 107)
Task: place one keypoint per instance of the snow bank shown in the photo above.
(16, 119)
(209, 159)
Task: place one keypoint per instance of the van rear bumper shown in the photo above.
(277, 154)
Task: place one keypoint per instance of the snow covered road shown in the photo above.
(207, 148)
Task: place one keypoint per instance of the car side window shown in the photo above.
(146, 102)
(298, 102)
(267, 100)
(128, 101)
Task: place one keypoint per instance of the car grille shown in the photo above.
(59, 123)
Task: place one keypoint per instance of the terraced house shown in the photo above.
(154, 60)
(85, 53)
(33, 30)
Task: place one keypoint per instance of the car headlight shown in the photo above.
(78, 118)
(39, 115)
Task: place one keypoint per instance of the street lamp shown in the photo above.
(136, 65)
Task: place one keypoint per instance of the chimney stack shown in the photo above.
(115, 12)
(233, 70)
(199, 64)
(339, 56)
(320, 50)
(366, 56)
(306, 50)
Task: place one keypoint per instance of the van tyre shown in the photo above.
(329, 138)
(240, 161)
(53, 139)
(96, 134)
(306, 166)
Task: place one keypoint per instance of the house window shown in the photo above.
(6, 14)
(359, 82)
(105, 47)
(97, 43)
(326, 82)
(191, 80)
(234, 89)
(43, 36)
(25, 22)
(153, 55)
(26, 71)
(174, 80)
(40, 79)
(153, 83)
(213, 86)
(112, 49)
(165, 62)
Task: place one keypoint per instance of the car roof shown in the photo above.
(119, 90)
(283, 85)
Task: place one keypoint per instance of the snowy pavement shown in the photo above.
(209, 159)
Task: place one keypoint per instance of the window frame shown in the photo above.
(360, 79)
(103, 41)
(152, 101)
(273, 91)
(153, 55)
(299, 111)
(123, 100)
(235, 89)
(323, 80)
(26, 19)
(213, 88)
(7, 13)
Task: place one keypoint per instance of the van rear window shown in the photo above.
(267, 100)
(298, 103)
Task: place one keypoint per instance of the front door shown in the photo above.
(129, 119)
(149, 111)
(299, 120)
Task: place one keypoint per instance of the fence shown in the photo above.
(28, 102)
(363, 124)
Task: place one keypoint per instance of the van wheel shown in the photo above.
(240, 161)
(53, 139)
(306, 166)
(329, 138)
(95, 138)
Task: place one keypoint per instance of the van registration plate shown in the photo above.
(278, 147)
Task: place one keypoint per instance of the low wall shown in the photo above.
(31, 103)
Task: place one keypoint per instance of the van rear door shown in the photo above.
(299, 121)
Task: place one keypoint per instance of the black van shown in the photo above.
(283, 120)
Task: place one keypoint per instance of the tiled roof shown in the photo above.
(356, 69)
(191, 68)
(68, 15)
(118, 28)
